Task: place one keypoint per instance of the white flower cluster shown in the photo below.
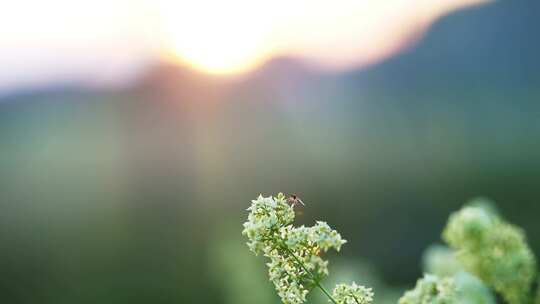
(352, 294)
(431, 290)
(295, 265)
(267, 216)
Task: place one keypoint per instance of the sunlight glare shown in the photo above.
(216, 36)
(234, 36)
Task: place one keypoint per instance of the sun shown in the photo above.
(218, 37)
(228, 52)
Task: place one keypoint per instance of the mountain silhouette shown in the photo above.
(490, 44)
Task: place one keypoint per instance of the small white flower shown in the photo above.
(295, 265)
(352, 294)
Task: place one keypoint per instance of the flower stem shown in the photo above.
(317, 283)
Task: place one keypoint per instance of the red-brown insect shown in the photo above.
(294, 199)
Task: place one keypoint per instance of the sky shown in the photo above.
(110, 41)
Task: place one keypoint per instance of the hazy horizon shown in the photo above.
(61, 42)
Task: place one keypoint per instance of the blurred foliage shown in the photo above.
(486, 252)
(241, 277)
(441, 261)
(361, 271)
(494, 250)
(431, 290)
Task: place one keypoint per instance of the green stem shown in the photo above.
(317, 283)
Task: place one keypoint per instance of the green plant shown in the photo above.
(493, 250)
(345, 269)
(296, 265)
(431, 290)
(441, 261)
(485, 252)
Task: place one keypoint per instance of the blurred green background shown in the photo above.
(137, 194)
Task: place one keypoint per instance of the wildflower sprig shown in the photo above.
(296, 265)
(493, 250)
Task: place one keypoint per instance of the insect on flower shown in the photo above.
(295, 266)
(294, 199)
